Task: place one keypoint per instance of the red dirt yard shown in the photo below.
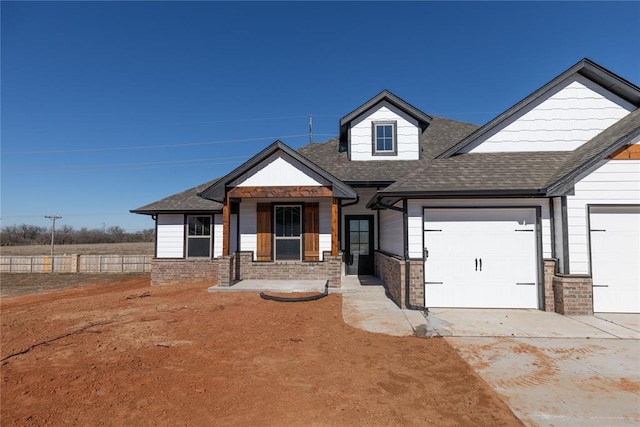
(111, 355)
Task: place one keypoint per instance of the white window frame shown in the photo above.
(374, 138)
(276, 238)
(188, 236)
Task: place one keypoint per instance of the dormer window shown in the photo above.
(384, 138)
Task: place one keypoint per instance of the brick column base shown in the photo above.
(573, 295)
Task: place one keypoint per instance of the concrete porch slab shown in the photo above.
(277, 286)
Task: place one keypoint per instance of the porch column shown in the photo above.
(225, 226)
(334, 226)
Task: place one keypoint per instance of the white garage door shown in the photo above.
(615, 258)
(481, 258)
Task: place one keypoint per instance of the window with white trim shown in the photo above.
(199, 236)
(384, 138)
(287, 221)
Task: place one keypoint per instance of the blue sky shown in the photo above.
(108, 106)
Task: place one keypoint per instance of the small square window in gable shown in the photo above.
(384, 138)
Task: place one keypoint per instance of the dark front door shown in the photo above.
(359, 242)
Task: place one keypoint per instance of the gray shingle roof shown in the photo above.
(481, 172)
(185, 201)
(440, 135)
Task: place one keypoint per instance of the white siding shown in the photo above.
(279, 170)
(570, 116)
(614, 182)
(391, 232)
(360, 209)
(170, 236)
(407, 131)
(415, 210)
(557, 221)
(248, 225)
(248, 222)
(217, 235)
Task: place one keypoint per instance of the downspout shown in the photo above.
(407, 263)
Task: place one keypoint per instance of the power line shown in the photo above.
(146, 147)
(257, 119)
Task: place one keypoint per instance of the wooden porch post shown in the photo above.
(334, 226)
(225, 226)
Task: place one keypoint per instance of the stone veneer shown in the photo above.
(391, 269)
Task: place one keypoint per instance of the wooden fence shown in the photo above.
(76, 264)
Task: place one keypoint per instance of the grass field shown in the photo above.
(144, 248)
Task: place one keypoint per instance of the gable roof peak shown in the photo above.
(586, 68)
(217, 191)
(388, 96)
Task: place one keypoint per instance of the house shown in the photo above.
(539, 208)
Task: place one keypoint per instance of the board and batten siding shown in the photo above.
(170, 236)
(279, 170)
(615, 182)
(416, 225)
(391, 232)
(249, 230)
(576, 111)
(407, 131)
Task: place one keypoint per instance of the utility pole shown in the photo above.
(310, 129)
(53, 235)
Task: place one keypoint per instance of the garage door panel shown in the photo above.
(615, 255)
(480, 258)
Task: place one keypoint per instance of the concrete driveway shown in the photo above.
(552, 370)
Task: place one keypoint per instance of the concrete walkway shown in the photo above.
(366, 306)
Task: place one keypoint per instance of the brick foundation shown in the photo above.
(227, 270)
(549, 274)
(391, 269)
(572, 294)
(167, 271)
(240, 266)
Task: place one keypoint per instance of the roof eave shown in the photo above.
(451, 194)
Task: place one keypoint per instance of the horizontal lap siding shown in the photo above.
(170, 236)
(407, 131)
(568, 118)
(391, 232)
(614, 182)
(217, 235)
(415, 210)
(279, 170)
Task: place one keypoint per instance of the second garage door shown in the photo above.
(485, 258)
(615, 258)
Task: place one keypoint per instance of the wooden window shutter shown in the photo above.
(263, 213)
(311, 232)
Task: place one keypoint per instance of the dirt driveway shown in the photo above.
(111, 355)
